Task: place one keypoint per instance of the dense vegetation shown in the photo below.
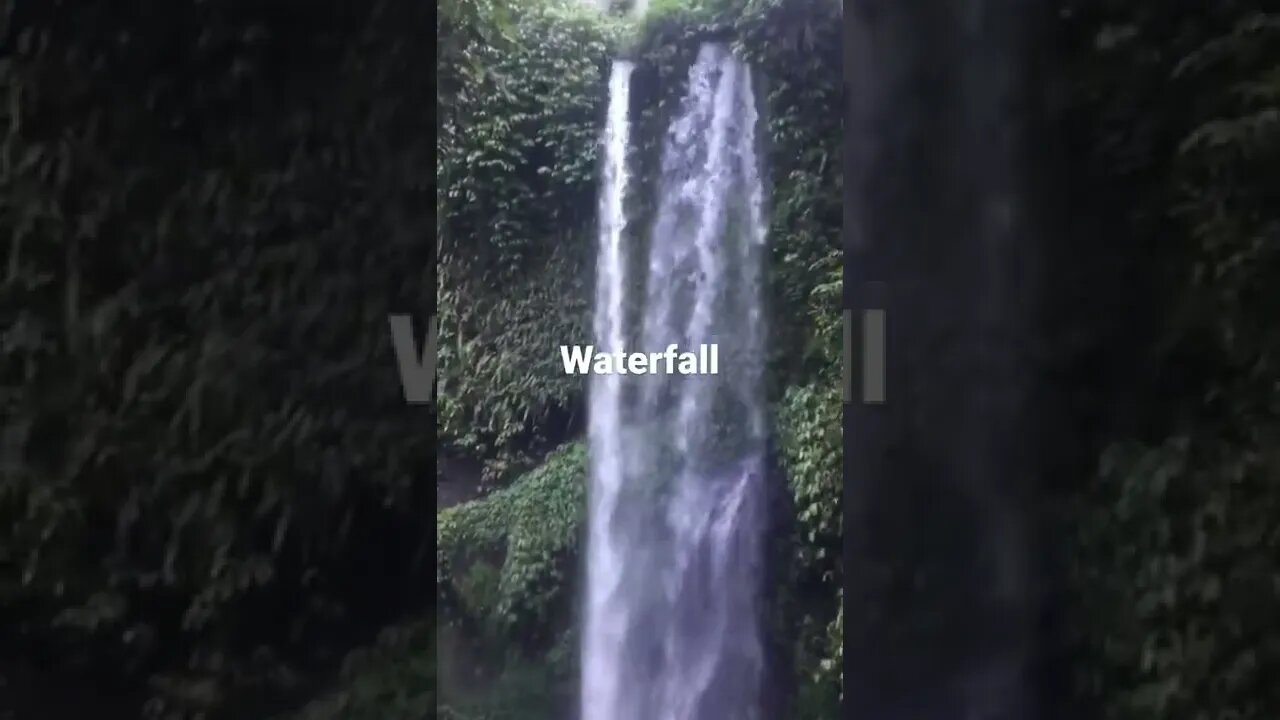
(214, 500)
(1178, 538)
(211, 486)
(519, 183)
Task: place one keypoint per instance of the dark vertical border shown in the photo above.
(867, 297)
(850, 123)
(855, 136)
(434, 431)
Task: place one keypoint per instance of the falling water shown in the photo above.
(606, 616)
(672, 627)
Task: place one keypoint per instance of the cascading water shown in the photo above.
(676, 516)
(606, 613)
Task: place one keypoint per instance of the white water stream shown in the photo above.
(672, 610)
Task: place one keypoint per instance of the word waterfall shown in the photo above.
(673, 601)
(580, 361)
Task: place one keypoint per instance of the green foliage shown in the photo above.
(504, 573)
(1176, 556)
(207, 210)
(795, 44)
(670, 18)
(1230, 206)
(812, 445)
(516, 244)
(205, 222)
(517, 157)
(393, 679)
(813, 456)
(520, 162)
(1179, 555)
(531, 530)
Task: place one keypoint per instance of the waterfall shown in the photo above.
(676, 514)
(606, 612)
